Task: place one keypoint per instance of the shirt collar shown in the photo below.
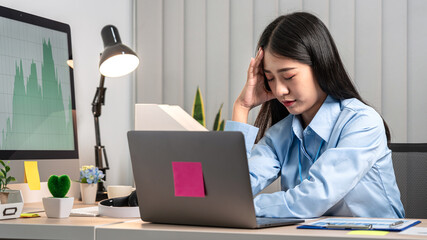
(323, 122)
(297, 127)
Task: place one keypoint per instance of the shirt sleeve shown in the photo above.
(264, 165)
(333, 175)
(250, 132)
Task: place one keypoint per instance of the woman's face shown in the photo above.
(294, 85)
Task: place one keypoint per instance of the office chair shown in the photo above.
(410, 168)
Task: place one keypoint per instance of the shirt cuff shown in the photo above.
(250, 132)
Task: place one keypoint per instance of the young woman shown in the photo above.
(315, 131)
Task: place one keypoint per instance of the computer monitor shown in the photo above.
(37, 101)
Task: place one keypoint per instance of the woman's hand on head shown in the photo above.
(254, 92)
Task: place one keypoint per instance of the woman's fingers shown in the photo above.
(258, 60)
(251, 67)
(255, 65)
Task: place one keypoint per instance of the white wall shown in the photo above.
(86, 19)
(208, 43)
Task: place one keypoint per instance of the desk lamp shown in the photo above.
(116, 60)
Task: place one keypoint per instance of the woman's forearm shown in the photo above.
(240, 113)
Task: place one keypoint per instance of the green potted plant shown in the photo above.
(198, 113)
(58, 206)
(4, 180)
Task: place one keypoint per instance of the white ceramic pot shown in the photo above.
(88, 192)
(58, 207)
(12, 208)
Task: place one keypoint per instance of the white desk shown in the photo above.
(141, 230)
(104, 228)
(52, 228)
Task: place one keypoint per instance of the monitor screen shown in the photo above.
(37, 105)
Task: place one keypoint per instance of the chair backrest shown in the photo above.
(410, 167)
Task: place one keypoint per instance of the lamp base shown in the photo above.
(102, 193)
(101, 196)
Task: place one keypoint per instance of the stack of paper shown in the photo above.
(164, 118)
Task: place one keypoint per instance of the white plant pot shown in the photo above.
(14, 205)
(88, 192)
(58, 207)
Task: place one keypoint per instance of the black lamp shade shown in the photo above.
(117, 59)
(110, 36)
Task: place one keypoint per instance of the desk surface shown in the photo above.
(138, 229)
(53, 228)
(105, 228)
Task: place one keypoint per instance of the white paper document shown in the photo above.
(419, 231)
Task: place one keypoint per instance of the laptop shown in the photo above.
(195, 178)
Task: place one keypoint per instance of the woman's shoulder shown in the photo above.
(359, 123)
(359, 108)
(354, 110)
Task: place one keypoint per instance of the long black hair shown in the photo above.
(303, 37)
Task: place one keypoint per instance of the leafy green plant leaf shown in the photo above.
(198, 111)
(221, 126)
(8, 179)
(217, 121)
(2, 163)
(7, 168)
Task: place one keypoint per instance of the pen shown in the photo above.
(396, 223)
(348, 226)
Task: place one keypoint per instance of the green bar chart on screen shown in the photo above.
(35, 105)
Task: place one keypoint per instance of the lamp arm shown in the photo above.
(99, 98)
(98, 101)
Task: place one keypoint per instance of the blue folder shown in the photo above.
(395, 225)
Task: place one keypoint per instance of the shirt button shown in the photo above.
(308, 132)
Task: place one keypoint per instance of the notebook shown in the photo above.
(195, 178)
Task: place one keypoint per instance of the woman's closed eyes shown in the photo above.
(269, 79)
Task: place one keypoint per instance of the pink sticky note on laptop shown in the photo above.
(188, 179)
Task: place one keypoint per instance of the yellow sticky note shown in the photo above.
(32, 176)
(29, 215)
(368, 232)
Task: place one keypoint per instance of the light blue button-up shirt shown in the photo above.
(353, 175)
